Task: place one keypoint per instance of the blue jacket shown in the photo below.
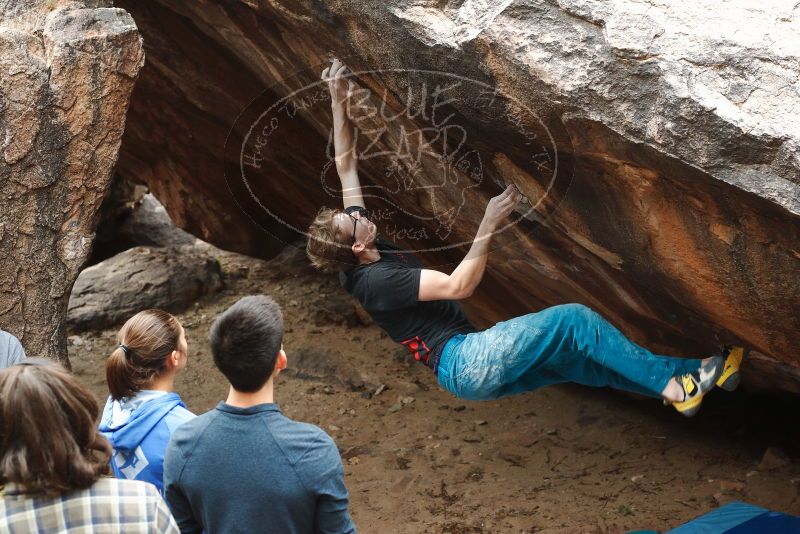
(139, 429)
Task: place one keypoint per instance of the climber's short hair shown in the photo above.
(328, 248)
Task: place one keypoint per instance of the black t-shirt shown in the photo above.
(389, 290)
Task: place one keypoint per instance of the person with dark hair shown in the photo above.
(419, 307)
(244, 466)
(52, 461)
(142, 410)
(11, 351)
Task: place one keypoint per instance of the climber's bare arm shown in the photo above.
(436, 285)
(343, 134)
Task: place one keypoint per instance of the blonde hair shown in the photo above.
(327, 248)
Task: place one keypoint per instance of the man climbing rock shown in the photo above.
(419, 307)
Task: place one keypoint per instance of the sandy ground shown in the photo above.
(562, 459)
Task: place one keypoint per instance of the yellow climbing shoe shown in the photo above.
(729, 379)
(696, 384)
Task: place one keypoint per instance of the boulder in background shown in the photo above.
(170, 278)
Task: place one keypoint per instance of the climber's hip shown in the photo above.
(510, 357)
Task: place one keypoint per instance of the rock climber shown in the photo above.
(419, 307)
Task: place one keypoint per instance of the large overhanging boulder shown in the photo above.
(658, 145)
(67, 70)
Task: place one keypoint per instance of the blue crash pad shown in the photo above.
(741, 518)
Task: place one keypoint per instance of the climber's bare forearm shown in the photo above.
(435, 285)
(344, 139)
(346, 157)
(461, 283)
(469, 272)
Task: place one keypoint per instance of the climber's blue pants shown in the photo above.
(567, 343)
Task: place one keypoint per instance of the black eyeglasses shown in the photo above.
(355, 222)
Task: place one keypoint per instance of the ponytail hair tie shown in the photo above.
(125, 349)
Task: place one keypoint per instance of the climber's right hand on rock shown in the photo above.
(338, 84)
(501, 206)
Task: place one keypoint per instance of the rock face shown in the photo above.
(149, 225)
(170, 278)
(67, 70)
(131, 220)
(658, 145)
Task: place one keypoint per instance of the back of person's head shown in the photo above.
(245, 341)
(49, 442)
(147, 340)
(327, 247)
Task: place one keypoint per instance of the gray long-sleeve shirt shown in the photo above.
(253, 469)
(11, 352)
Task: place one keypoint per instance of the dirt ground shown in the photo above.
(418, 460)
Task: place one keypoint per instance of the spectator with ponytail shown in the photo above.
(142, 410)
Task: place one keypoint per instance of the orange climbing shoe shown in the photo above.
(696, 384)
(729, 379)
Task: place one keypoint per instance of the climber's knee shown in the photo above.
(579, 312)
